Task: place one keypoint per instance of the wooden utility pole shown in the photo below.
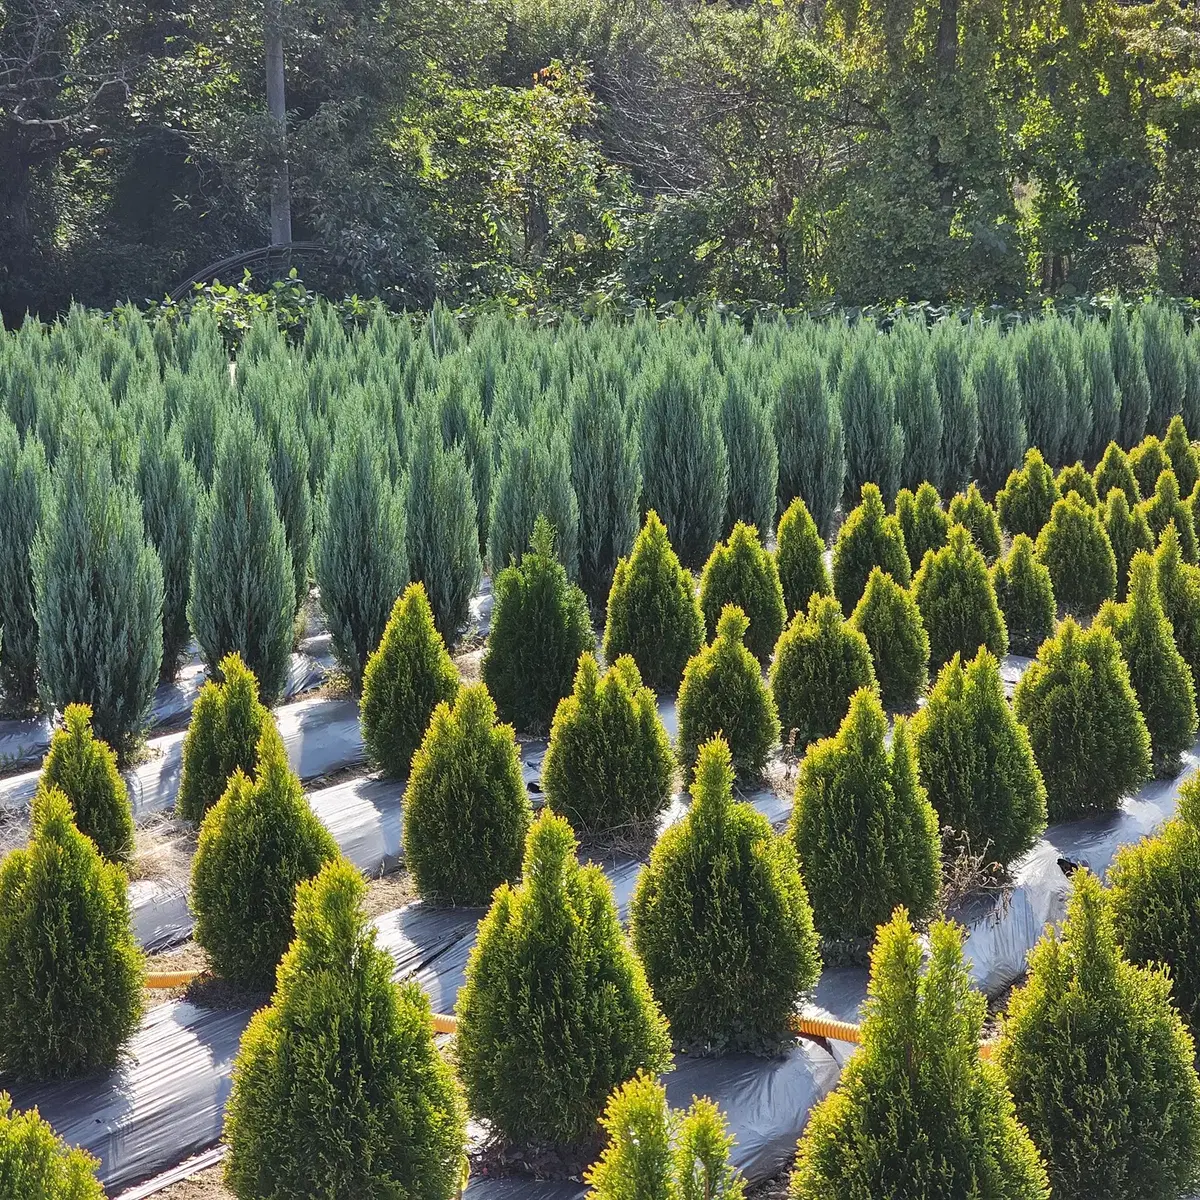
(281, 191)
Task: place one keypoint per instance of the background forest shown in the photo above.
(556, 152)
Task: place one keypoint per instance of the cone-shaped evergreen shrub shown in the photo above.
(99, 589)
(609, 764)
(243, 585)
(228, 725)
(556, 1010)
(976, 763)
(1179, 590)
(1182, 456)
(1161, 680)
(1088, 735)
(1114, 471)
(723, 693)
(1076, 551)
(540, 627)
(888, 617)
(923, 521)
(1124, 345)
(917, 1114)
(866, 400)
(1025, 501)
(739, 571)
(256, 844)
(685, 468)
(607, 481)
(534, 480)
(84, 769)
(466, 812)
(1002, 431)
(811, 439)
(655, 1152)
(1148, 460)
(721, 920)
(970, 510)
(70, 971)
(362, 557)
(1165, 506)
(753, 458)
(23, 493)
(169, 491)
(407, 677)
(958, 603)
(1100, 1064)
(341, 1039)
(865, 831)
(868, 538)
(443, 534)
(820, 662)
(653, 613)
(1155, 893)
(1025, 595)
(1077, 479)
(36, 1164)
(800, 558)
(1128, 532)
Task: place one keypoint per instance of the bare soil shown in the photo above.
(206, 1185)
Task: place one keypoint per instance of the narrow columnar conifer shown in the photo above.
(1164, 507)
(1088, 734)
(1148, 460)
(1182, 456)
(1164, 351)
(869, 538)
(960, 406)
(800, 558)
(1179, 589)
(888, 617)
(753, 457)
(721, 920)
(1100, 1063)
(1025, 594)
(866, 401)
(918, 410)
(1102, 386)
(1043, 391)
(970, 510)
(918, 1115)
(1002, 431)
(1128, 532)
(1125, 349)
(863, 826)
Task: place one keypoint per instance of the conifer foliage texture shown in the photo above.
(800, 558)
(721, 920)
(556, 1010)
(340, 1039)
(1025, 595)
(1077, 553)
(869, 538)
(739, 571)
(888, 617)
(36, 1164)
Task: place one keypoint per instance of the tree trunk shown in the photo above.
(16, 223)
(281, 193)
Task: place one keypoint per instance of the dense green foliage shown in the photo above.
(923, 521)
(868, 538)
(1088, 734)
(721, 920)
(739, 571)
(917, 1114)
(1179, 589)
(723, 694)
(655, 1152)
(888, 617)
(1114, 471)
(556, 1010)
(1128, 532)
(1182, 455)
(84, 769)
(228, 727)
(36, 1164)
(970, 510)
(1148, 460)
(1076, 551)
(70, 971)
(865, 831)
(821, 661)
(958, 603)
(341, 1037)
(800, 558)
(466, 811)
(608, 766)
(1161, 680)
(653, 613)
(256, 844)
(407, 676)
(976, 763)
(1025, 594)
(1025, 501)
(1100, 1064)
(540, 627)
(1077, 479)
(1164, 506)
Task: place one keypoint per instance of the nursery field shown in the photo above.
(527, 741)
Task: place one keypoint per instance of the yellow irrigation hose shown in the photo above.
(827, 1027)
(170, 979)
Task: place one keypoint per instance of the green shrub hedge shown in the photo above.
(340, 1038)
(1182, 455)
(868, 538)
(609, 764)
(970, 510)
(1025, 595)
(721, 920)
(800, 558)
(1077, 553)
(556, 1010)
(739, 571)
(888, 617)
(1179, 589)
(466, 811)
